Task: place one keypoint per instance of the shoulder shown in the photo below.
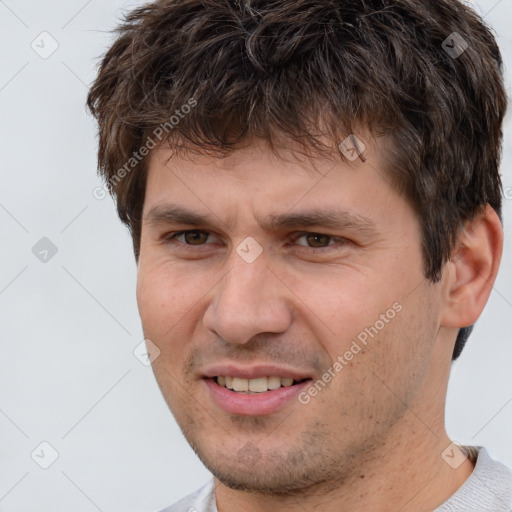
(203, 500)
(488, 489)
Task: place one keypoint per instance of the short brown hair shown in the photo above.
(428, 74)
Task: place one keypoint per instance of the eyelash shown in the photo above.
(170, 238)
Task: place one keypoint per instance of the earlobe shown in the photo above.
(474, 267)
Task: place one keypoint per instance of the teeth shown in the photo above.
(240, 384)
(259, 385)
(274, 383)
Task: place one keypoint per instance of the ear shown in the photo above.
(472, 270)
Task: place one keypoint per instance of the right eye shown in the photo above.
(191, 237)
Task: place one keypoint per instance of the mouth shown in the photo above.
(257, 385)
(254, 391)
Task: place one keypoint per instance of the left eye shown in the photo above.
(315, 240)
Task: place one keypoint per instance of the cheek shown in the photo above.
(166, 308)
(344, 302)
(170, 300)
(162, 299)
(400, 355)
(386, 337)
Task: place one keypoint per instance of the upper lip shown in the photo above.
(255, 371)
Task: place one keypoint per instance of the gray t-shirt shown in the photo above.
(488, 489)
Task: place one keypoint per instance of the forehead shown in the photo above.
(272, 164)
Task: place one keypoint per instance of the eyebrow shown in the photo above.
(333, 219)
(320, 217)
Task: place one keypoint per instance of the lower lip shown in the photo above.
(258, 404)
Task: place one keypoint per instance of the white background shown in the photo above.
(68, 327)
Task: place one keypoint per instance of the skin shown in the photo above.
(373, 438)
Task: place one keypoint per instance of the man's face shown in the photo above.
(332, 273)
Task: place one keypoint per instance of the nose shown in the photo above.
(250, 300)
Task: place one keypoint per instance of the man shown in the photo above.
(314, 198)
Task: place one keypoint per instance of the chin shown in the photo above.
(263, 481)
(270, 472)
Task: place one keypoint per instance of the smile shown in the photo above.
(259, 396)
(258, 385)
